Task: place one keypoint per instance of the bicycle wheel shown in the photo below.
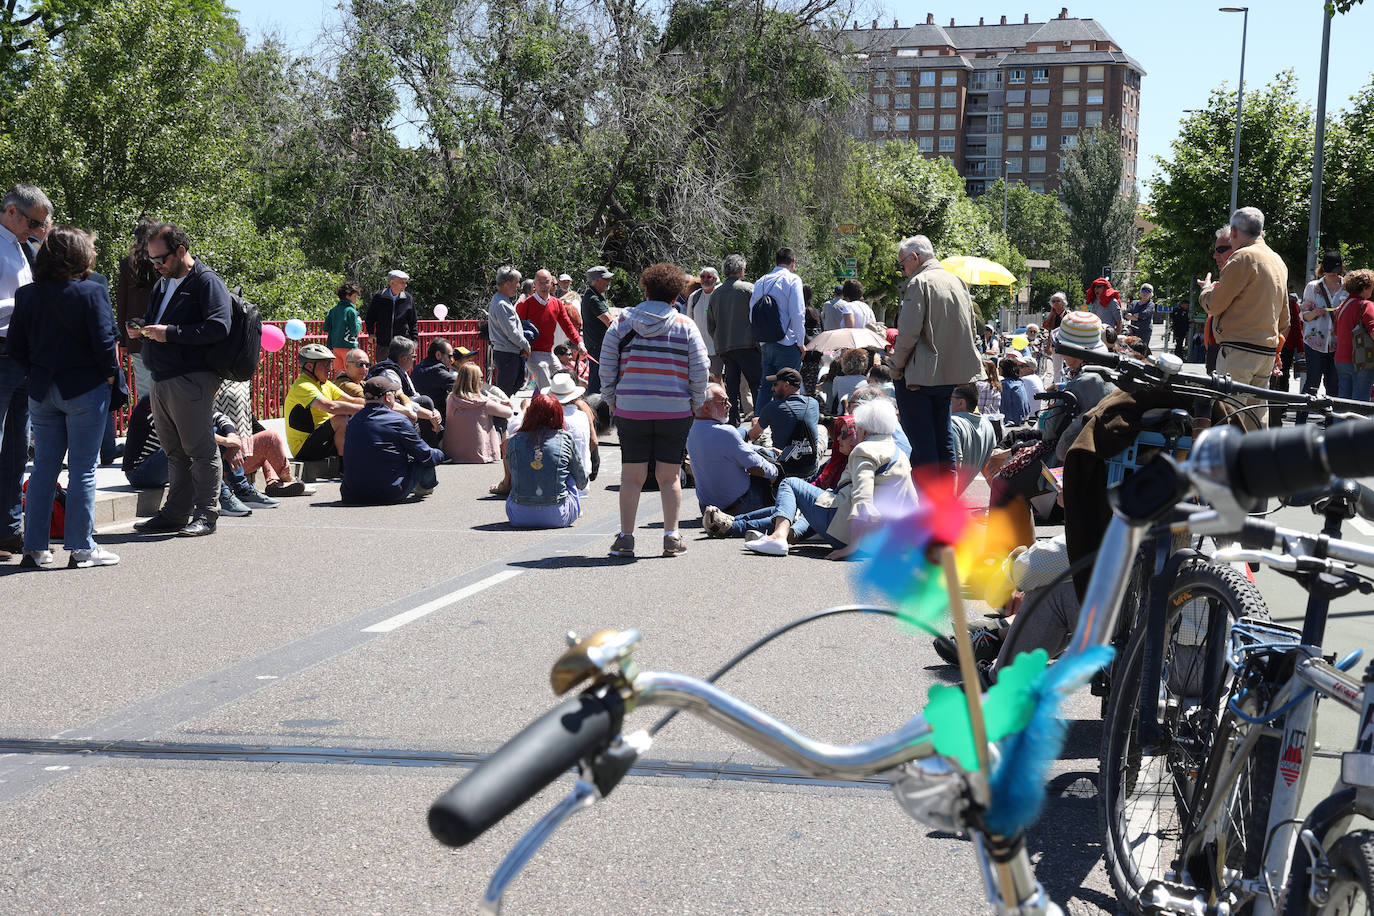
(1146, 793)
(1352, 889)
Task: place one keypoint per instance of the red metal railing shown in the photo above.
(276, 371)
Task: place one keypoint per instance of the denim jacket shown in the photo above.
(540, 465)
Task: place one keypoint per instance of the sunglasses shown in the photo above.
(161, 259)
(1222, 249)
(33, 223)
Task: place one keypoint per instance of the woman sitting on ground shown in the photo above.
(546, 472)
(853, 372)
(470, 436)
(877, 471)
(989, 388)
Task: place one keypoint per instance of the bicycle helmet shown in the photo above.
(314, 352)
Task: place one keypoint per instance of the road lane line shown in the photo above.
(1363, 527)
(443, 601)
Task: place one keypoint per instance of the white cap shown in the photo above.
(397, 275)
(562, 277)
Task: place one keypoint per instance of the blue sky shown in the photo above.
(1187, 48)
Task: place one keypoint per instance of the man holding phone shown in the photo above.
(187, 313)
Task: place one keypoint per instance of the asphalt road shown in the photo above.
(395, 643)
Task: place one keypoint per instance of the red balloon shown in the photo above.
(273, 338)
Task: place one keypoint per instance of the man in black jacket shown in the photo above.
(187, 314)
(391, 313)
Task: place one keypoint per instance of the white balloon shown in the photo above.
(441, 311)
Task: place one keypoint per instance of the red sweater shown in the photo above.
(1351, 310)
(545, 317)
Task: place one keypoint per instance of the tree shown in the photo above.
(1101, 218)
(1349, 180)
(1191, 199)
(1038, 227)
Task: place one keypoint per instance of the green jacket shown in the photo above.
(341, 326)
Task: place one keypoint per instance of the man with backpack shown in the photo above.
(188, 314)
(777, 312)
(791, 418)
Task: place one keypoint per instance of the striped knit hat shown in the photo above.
(1082, 329)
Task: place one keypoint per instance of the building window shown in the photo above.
(1016, 75)
(1092, 119)
(1078, 48)
(1015, 119)
(995, 121)
(1096, 74)
(879, 123)
(880, 79)
(1016, 96)
(1037, 141)
(903, 123)
(1040, 96)
(1070, 74)
(925, 144)
(947, 122)
(1040, 119)
(949, 78)
(1068, 141)
(949, 99)
(1094, 96)
(925, 122)
(1014, 141)
(1070, 97)
(903, 100)
(1040, 74)
(1014, 164)
(903, 78)
(1037, 187)
(1068, 119)
(926, 99)
(994, 146)
(1037, 164)
(946, 144)
(927, 77)
(880, 100)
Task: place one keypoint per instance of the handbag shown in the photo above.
(1362, 345)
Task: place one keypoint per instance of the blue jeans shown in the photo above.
(1353, 384)
(924, 415)
(794, 494)
(71, 427)
(421, 475)
(151, 474)
(554, 515)
(774, 356)
(14, 443)
(1321, 370)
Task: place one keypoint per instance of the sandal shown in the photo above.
(499, 490)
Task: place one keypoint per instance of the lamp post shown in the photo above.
(1005, 181)
(1240, 97)
(1314, 220)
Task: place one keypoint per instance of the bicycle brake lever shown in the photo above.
(583, 795)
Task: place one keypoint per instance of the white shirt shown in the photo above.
(786, 287)
(166, 298)
(862, 312)
(14, 273)
(576, 424)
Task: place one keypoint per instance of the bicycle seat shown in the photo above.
(1171, 424)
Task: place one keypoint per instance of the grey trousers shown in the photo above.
(1049, 626)
(181, 415)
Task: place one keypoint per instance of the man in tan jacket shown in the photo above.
(934, 351)
(1249, 307)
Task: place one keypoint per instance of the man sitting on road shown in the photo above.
(350, 380)
(316, 410)
(419, 407)
(387, 459)
(791, 418)
(434, 375)
(731, 475)
(974, 437)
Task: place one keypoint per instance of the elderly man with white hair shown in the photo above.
(935, 350)
(391, 313)
(1249, 307)
(698, 308)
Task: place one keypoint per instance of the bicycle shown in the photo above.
(935, 788)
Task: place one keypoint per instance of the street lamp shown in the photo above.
(1005, 181)
(1240, 95)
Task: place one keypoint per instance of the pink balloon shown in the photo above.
(273, 338)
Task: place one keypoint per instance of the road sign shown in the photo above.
(848, 228)
(849, 269)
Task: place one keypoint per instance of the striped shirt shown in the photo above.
(662, 373)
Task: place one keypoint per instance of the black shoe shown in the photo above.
(13, 544)
(199, 526)
(158, 524)
(987, 642)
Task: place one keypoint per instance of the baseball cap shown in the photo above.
(562, 277)
(599, 273)
(377, 386)
(787, 374)
(1331, 262)
(463, 352)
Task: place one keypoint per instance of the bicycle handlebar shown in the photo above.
(524, 765)
(1276, 462)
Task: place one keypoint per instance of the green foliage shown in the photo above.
(1348, 185)
(1101, 220)
(1038, 228)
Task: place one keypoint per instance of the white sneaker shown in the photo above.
(36, 558)
(85, 559)
(752, 535)
(768, 546)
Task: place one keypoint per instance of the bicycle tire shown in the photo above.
(1352, 890)
(1143, 791)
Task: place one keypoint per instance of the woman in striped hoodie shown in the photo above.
(653, 376)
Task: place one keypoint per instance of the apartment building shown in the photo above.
(989, 97)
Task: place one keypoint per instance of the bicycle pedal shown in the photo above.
(1169, 897)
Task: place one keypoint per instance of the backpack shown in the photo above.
(765, 319)
(798, 453)
(236, 356)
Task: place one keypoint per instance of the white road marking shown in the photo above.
(1363, 527)
(429, 607)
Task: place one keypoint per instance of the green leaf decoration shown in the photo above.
(1007, 708)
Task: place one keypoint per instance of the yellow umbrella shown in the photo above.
(978, 271)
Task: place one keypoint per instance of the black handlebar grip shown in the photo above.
(525, 764)
(1093, 357)
(1276, 462)
(1052, 395)
(1350, 448)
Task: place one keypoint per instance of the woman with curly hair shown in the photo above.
(653, 375)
